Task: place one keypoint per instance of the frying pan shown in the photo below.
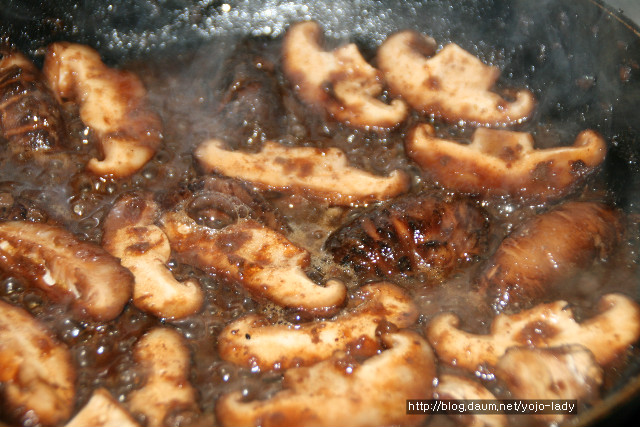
(580, 58)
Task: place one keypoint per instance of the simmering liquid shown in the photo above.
(235, 91)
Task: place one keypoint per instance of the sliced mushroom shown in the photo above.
(455, 387)
(249, 342)
(102, 410)
(453, 84)
(341, 82)
(112, 103)
(262, 260)
(341, 391)
(165, 361)
(322, 173)
(543, 252)
(36, 374)
(500, 162)
(607, 335)
(130, 234)
(66, 268)
(561, 373)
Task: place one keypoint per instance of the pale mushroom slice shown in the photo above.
(607, 334)
(560, 373)
(262, 260)
(131, 235)
(112, 103)
(455, 387)
(321, 173)
(66, 268)
(452, 84)
(164, 359)
(102, 410)
(250, 342)
(500, 162)
(37, 379)
(341, 82)
(341, 391)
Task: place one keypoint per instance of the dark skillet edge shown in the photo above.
(620, 17)
(622, 406)
(51, 21)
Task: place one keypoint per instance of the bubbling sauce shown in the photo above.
(239, 94)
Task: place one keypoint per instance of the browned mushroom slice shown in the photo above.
(499, 162)
(67, 269)
(341, 82)
(546, 250)
(143, 248)
(164, 359)
(608, 334)
(112, 104)
(250, 342)
(36, 374)
(561, 373)
(454, 387)
(453, 84)
(30, 116)
(264, 261)
(341, 391)
(102, 410)
(323, 173)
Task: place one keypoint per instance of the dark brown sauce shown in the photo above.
(197, 100)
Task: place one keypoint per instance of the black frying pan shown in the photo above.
(580, 58)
